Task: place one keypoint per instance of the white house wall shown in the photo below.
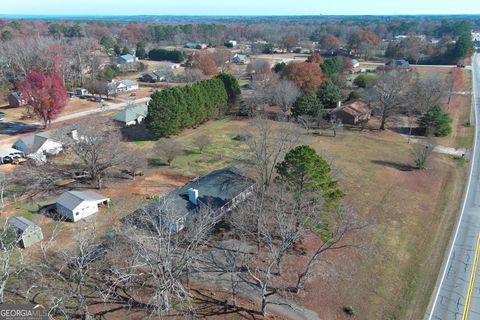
(50, 147)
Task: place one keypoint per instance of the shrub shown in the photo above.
(349, 310)
(364, 80)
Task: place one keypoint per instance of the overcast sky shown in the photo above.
(240, 7)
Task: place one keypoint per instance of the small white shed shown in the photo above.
(77, 205)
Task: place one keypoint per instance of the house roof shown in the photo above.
(153, 75)
(398, 64)
(72, 199)
(215, 190)
(355, 61)
(36, 141)
(127, 57)
(131, 113)
(17, 95)
(240, 56)
(355, 108)
(21, 223)
(128, 83)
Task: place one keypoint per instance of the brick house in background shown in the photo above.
(16, 100)
(353, 112)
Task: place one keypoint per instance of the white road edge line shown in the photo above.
(459, 222)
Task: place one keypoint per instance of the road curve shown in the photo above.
(455, 279)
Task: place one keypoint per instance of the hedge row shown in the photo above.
(167, 55)
(177, 108)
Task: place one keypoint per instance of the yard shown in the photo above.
(409, 215)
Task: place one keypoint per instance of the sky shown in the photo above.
(240, 7)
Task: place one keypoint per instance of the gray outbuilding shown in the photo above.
(27, 232)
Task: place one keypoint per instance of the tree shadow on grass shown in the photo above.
(395, 165)
(211, 306)
(156, 162)
(137, 133)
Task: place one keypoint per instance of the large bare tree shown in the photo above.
(97, 147)
(268, 143)
(390, 93)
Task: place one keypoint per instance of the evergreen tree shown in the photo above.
(308, 103)
(329, 94)
(231, 85)
(307, 174)
(140, 51)
(125, 50)
(436, 122)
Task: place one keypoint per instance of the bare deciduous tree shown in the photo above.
(284, 94)
(190, 75)
(10, 257)
(98, 148)
(162, 258)
(201, 142)
(390, 93)
(269, 143)
(421, 154)
(424, 94)
(169, 149)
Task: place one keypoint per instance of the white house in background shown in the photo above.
(122, 86)
(239, 59)
(132, 115)
(355, 63)
(81, 92)
(38, 146)
(77, 205)
(476, 36)
(126, 59)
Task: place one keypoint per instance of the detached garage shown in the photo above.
(77, 205)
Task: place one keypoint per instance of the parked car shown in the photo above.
(461, 65)
(99, 100)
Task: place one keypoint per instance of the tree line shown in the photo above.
(177, 108)
(169, 55)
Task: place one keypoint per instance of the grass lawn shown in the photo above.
(409, 214)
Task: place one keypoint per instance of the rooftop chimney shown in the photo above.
(193, 195)
(74, 134)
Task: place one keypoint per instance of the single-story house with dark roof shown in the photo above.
(353, 112)
(27, 233)
(154, 76)
(218, 191)
(77, 205)
(132, 115)
(15, 99)
(398, 64)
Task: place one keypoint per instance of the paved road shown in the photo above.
(415, 65)
(457, 276)
(99, 110)
(16, 130)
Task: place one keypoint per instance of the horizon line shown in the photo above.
(14, 15)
